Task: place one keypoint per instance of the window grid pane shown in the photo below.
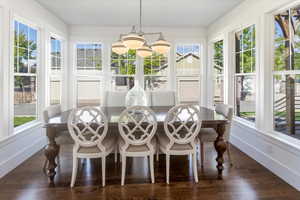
(89, 57)
(25, 77)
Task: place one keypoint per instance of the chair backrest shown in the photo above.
(88, 127)
(163, 98)
(137, 126)
(51, 111)
(226, 111)
(182, 125)
(115, 99)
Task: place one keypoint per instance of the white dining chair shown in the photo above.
(209, 134)
(88, 127)
(137, 126)
(182, 125)
(49, 112)
(163, 98)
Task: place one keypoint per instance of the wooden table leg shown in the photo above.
(51, 152)
(220, 147)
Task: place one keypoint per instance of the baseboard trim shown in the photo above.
(278, 168)
(22, 155)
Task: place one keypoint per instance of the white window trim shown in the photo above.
(12, 129)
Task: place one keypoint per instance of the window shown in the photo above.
(89, 57)
(188, 73)
(218, 70)
(55, 71)
(245, 73)
(88, 93)
(25, 74)
(123, 70)
(156, 72)
(286, 72)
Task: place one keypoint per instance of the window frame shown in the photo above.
(187, 77)
(165, 76)
(38, 74)
(254, 74)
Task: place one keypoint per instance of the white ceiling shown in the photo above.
(171, 13)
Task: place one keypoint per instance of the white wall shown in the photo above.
(277, 152)
(109, 35)
(15, 147)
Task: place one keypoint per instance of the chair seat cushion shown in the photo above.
(208, 135)
(108, 142)
(137, 148)
(164, 141)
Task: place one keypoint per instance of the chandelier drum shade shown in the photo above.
(119, 48)
(136, 40)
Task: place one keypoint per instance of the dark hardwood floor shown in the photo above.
(246, 180)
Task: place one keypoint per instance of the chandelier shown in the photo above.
(136, 40)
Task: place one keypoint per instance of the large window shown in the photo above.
(55, 71)
(286, 74)
(156, 72)
(245, 73)
(25, 73)
(188, 73)
(89, 68)
(123, 70)
(218, 70)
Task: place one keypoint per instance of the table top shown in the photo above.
(208, 116)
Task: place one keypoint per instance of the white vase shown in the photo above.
(136, 96)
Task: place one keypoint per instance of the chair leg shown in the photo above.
(168, 167)
(103, 170)
(157, 155)
(45, 166)
(229, 154)
(152, 167)
(74, 171)
(202, 153)
(123, 169)
(194, 155)
(116, 155)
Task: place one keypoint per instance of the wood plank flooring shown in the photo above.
(246, 180)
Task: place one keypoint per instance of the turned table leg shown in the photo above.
(220, 147)
(51, 152)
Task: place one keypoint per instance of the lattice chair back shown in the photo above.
(88, 127)
(137, 126)
(182, 124)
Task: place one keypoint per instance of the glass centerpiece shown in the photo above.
(136, 96)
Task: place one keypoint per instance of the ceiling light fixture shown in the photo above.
(136, 40)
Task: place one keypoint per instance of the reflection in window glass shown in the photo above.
(88, 93)
(245, 97)
(89, 56)
(245, 73)
(218, 64)
(55, 92)
(25, 77)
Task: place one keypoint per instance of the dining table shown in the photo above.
(209, 117)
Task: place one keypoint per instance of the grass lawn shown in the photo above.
(22, 120)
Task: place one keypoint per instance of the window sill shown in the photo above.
(245, 122)
(276, 138)
(19, 132)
